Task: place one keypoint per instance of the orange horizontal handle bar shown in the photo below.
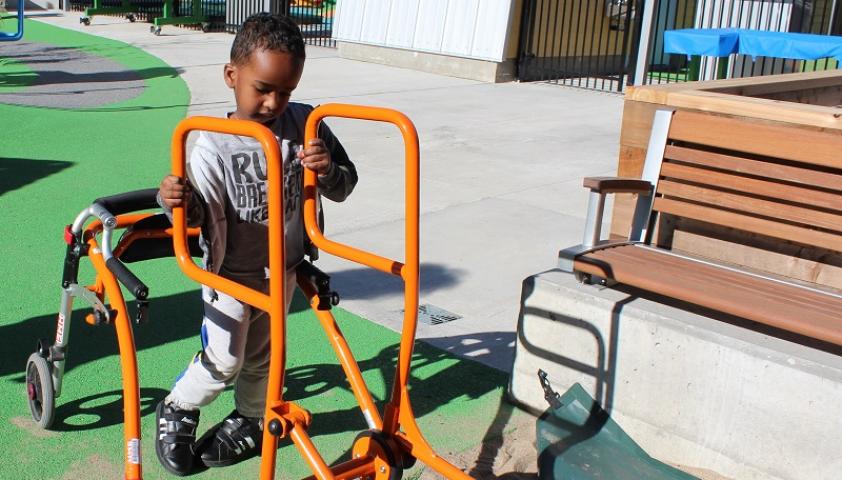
(273, 160)
(410, 137)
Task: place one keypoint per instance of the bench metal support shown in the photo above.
(643, 220)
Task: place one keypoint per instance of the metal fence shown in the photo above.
(800, 16)
(236, 11)
(315, 17)
(581, 43)
(146, 10)
(316, 20)
(595, 43)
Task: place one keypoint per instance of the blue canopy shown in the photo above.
(713, 42)
(721, 42)
(803, 46)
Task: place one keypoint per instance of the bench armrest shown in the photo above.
(600, 187)
(603, 185)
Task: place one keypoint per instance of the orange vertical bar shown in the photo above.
(310, 219)
(128, 364)
(277, 280)
(408, 271)
(274, 302)
(398, 411)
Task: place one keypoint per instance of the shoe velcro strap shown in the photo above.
(174, 438)
(176, 426)
(236, 431)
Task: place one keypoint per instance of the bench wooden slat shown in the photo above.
(779, 305)
(703, 274)
(749, 223)
(714, 273)
(816, 198)
(812, 146)
(785, 173)
(752, 205)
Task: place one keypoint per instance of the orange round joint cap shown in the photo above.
(285, 416)
(383, 452)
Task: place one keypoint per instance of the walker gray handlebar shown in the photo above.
(106, 208)
(127, 278)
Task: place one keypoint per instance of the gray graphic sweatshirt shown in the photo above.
(229, 174)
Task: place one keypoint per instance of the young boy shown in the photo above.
(226, 195)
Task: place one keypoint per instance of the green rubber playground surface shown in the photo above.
(53, 162)
(21, 72)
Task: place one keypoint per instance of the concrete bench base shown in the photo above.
(693, 391)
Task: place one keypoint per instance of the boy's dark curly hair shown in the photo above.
(266, 31)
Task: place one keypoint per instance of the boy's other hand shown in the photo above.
(315, 156)
(175, 191)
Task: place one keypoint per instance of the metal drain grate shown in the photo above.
(433, 315)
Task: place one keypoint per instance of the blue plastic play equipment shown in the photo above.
(11, 37)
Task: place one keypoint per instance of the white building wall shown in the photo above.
(465, 28)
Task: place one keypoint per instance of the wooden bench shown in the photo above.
(746, 181)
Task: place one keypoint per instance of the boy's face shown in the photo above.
(263, 84)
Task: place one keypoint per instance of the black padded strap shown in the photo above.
(129, 201)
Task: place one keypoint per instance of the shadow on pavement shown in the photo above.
(107, 407)
(365, 283)
(16, 173)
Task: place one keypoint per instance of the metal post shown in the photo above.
(13, 37)
(643, 48)
(593, 222)
(640, 230)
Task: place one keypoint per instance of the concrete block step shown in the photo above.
(693, 391)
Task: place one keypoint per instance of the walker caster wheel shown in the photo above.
(205, 27)
(85, 21)
(130, 17)
(155, 30)
(39, 390)
(389, 462)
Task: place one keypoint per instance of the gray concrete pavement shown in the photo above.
(501, 177)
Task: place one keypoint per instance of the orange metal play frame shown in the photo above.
(398, 440)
